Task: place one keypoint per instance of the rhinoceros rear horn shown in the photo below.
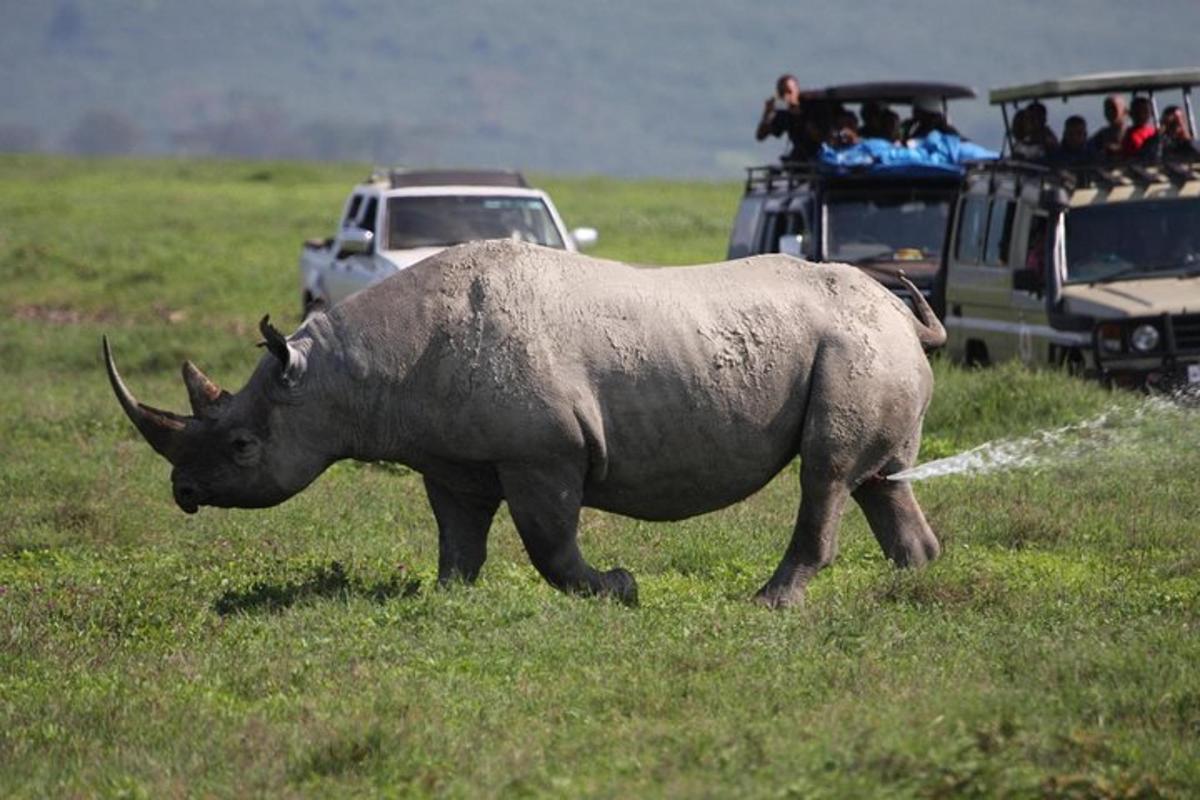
(205, 396)
(160, 428)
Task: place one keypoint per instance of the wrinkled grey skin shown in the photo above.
(552, 381)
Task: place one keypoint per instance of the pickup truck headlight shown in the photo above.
(1110, 338)
(1144, 338)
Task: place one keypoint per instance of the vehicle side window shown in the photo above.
(778, 225)
(741, 241)
(368, 218)
(972, 227)
(771, 231)
(999, 233)
(352, 211)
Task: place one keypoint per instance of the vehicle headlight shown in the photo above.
(1144, 338)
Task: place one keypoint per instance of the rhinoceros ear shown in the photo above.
(292, 358)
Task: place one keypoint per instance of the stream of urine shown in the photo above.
(1118, 431)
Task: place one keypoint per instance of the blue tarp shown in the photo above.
(935, 153)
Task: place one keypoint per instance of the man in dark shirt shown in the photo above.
(1106, 142)
(1074, 147)
(782, 114)
(927, 117)
(1174, 141)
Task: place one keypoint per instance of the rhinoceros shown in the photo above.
(550, 381)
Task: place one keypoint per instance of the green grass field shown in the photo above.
(302, 651)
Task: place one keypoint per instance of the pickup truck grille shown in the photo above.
(1187, 332)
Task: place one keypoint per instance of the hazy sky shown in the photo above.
(623, 87)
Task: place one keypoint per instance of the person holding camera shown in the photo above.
(782, 114)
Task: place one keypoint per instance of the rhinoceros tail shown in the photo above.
(929, 329)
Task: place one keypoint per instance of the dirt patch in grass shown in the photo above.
(66, 315)
(62, 315)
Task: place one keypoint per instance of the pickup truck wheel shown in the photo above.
(1073, 362)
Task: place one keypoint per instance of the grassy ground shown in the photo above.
(301, 650)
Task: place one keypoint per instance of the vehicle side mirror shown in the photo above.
(355, 241)
(792, 244)
(1028, 280)
(585, 237)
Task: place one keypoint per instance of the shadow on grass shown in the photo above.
(330, 582)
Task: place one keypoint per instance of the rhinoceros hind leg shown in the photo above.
(814, 540)
(896, 520)
(544, 503)
(463, 521)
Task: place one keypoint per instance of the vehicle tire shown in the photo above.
(1074, 363)
(977, 354)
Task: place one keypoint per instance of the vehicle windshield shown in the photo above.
(1133, 240)
(452, 219)
(907, 225)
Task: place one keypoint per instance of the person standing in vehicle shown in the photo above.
(1143, 129)
(927, 117)
(782, 115)
(1174, 139)
(1106, 142)
(1074, 146)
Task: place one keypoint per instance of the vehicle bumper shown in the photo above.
(1152, 374)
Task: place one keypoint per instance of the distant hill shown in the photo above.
(623, 88)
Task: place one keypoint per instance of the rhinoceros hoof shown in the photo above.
(776, 598)
(620, 585)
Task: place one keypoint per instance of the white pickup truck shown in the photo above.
(396, 219)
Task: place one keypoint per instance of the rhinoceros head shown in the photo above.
(234, 450)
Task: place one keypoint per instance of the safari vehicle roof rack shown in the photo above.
(401, 178)
(791, 174)
(779, 176)
(1082, 176)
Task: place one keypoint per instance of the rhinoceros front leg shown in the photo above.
(463, 521)
(814, 540)
(544, 502)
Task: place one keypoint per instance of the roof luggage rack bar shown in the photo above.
(400, 178)
(779, 176)
(1107, 176)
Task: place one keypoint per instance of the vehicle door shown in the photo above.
(983, 321)
(352, 271)
(1028, 254)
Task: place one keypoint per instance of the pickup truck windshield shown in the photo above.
(904, 225)
(449, 220)
(1133, 240)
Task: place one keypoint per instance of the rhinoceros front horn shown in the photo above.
(160, 428)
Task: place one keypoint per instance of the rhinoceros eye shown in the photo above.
(244, 445)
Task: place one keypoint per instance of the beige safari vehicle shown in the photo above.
(1081, 262)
